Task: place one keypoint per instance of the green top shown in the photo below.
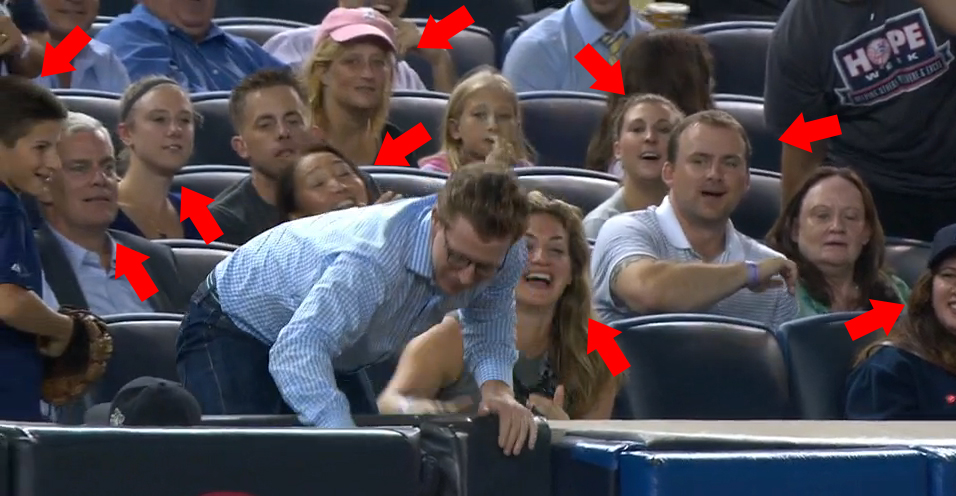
(809, 306)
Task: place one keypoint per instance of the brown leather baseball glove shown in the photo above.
(83, 362)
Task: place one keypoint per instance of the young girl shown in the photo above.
(482, 124)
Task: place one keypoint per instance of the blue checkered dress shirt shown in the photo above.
(343, 290)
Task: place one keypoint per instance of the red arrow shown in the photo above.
(129, 262)
(883, 314)
(800, 134)
(601, 338)
(394, 151)
(608, 77)
(196, 207)
(57, 60)
(437, 33)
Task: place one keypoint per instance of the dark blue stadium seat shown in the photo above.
(258, 29)
(585, 189)
(740, 54)
(406, 181)
(195, 259)
(215, 132)
(749, 111)
(820, 354)
(102, 105)
(559, 124)
(410, 108)
(473, 47)
(209, 180)
(760, 206)
(305, 11)
(907, 258)
(703, 367)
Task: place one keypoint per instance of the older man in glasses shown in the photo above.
(277, 323)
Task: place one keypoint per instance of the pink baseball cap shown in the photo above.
(347, 24)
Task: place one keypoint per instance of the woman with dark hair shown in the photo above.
(675, 64)
(831, 230)
(322, 180)
(912, 375)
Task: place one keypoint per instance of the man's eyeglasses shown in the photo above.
(459, 261)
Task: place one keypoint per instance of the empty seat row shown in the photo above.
(559, 125)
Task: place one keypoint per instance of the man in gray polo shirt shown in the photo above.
(684, 256)
(885, 67)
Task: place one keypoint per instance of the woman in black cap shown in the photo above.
(912, 375)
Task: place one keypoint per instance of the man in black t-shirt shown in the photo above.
(885, 67)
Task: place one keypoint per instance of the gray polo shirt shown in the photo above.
(656, 233)
(887, 72)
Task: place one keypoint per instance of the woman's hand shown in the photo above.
(551, 408)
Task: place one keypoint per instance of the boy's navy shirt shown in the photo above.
(21, 365)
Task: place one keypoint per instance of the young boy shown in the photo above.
(30, 120)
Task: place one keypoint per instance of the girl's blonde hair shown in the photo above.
(583, 375)
(327, 51)
(482, 78)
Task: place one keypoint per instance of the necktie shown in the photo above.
(614, 43)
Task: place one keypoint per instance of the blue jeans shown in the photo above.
(227, 369)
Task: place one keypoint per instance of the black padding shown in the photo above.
(258, 29)
(208, 180)
(703, 367)
(559, 124)
(585, 189)
(593, 470)
(907, 258)
(820, 355)
(192, 462)
(195, 263)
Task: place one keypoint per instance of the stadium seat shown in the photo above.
(214, 134)
(406, 181)
(820, 354)
(473, 47)
(258, 29)
(99, 23)
(749, 112)
(703, 367)
(410, 108)
(195, 259)
(907, 258)
(212, 461)
(585, 189)
(143, 345)
(99, 104)
(209, 180)
(559, 124)
(759, 208)
(304, 11)
(740, 54)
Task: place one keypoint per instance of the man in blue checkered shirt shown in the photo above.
(279, 320)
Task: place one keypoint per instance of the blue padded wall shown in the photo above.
(860, 472)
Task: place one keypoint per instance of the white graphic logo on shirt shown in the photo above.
(15, 268)
(898, 57)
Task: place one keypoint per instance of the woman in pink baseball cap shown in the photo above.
(349, 81)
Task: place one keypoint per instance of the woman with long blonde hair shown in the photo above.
(554, 374)
(349, 82)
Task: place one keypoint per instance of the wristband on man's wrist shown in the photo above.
(752, 274)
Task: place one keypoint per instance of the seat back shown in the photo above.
(819, 355)
(410, 108)
(406, 181)
(209, 180)
(304, 11)
(143, 345)
(101, 105)
(195, 260)
(760, 206)
(215, 132)
(585, 189)
(258, 29)
(472, 47)
(749, 112)
(208, 460)
(907, 258)
(703, 367)
(98, 24)
(740, 54)
(559, 124)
